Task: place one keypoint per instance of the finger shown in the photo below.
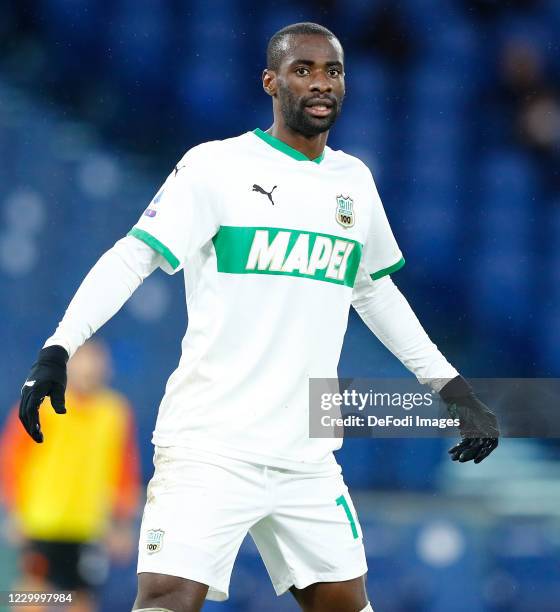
(25, 393)
(456, 451)
(482, 454)
(462, 444)
(24, 408)
(471, 452)
(29, 416)
(455, 454)
(33, 423)
(57, 399)
(488, 447)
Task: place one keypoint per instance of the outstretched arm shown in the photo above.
(386, 312)
(108, 285)
(384, 309)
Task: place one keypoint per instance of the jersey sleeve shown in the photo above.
(381, 255)
(182, 215)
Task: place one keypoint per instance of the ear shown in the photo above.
(269, 81)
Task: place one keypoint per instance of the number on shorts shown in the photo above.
(341, 501)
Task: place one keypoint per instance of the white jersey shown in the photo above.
(271, 244)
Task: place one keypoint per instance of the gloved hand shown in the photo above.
(478, 425)
(46, 378)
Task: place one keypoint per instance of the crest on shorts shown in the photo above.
(344, 211)
(154, 540)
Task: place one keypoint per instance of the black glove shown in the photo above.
(478, 425)
(47, 377)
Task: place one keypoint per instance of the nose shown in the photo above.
(320, 82)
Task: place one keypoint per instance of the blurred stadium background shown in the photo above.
(454, 104)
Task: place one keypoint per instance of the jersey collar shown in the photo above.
(284, 148)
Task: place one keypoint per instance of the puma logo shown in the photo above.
(268, 194)
(177, 168)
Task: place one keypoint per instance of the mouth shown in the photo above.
(319, 108)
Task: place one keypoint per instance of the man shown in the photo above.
(74, 499)
(278, 234)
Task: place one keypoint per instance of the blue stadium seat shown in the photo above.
(365, 123)
(527, 558)
(139, 42)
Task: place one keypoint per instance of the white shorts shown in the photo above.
(200, 507)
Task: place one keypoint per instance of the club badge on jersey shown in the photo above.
(345, 211)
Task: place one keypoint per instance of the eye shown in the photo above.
(302, 71)
(334, 72)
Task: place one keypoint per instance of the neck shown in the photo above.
(310, 146)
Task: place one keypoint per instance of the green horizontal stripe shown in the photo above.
(388, 270)
(156, 245)
(236, 249)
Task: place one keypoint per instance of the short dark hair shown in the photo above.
(276, 48)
